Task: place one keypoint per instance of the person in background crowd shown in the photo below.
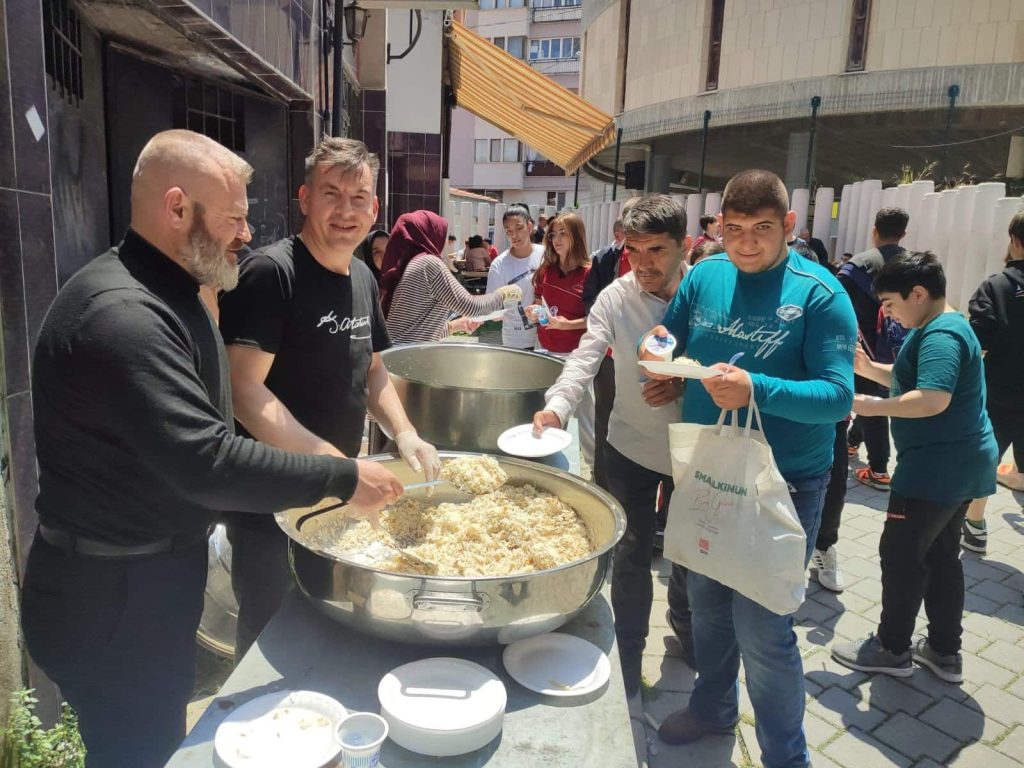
(709, 227)
(305, 320)
(558, 291)
(418, 294)
(707, 248)
(492, 252)
(794, 324)
(856, 276)
(825, 558)
(946, 456)
(137, 455)
(373, 252)
(478, 258)
(515, 266)
(817, 247)
(996, 313)
(538, 234)
(637, 455)
(607, 265)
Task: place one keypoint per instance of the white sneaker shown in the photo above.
(825, 566)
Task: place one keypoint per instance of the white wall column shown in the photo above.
(927, 222)
(960, 233)
(483, 216)
(465, 224)
(985, 201)
(821, 227)
(853, 221)
(500, 243)
(918, 190)
(694, 210)
(845, 198)
(865, 212)
(800, 204)
(944, 226)
(712, 204)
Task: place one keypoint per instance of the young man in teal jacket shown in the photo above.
(796, 328)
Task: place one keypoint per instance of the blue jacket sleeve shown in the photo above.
(826, 395)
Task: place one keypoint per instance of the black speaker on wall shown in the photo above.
(636, 172)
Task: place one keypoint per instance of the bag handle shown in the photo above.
(753, 418)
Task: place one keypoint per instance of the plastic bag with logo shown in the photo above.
(731, 517)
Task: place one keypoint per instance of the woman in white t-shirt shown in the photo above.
(516, 267)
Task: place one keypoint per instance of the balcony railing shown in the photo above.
(556, 66)
(564, 13)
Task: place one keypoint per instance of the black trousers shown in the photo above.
(636, 489)
(873, 431)
(118, 637)
(260, 578)
(835, 494)
(920, 552)
(1008, 426)
(604, 399)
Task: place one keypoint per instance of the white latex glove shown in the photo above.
(419, 454)
(510, 293)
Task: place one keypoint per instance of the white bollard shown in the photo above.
(854, 220)
(912, 242)
(944, 226)
(535, 213)
(889, 195)
(926, 223)
(980, 239)
(1005, 209)
(800, 204)
(694, 210)
(903, 196)
(865, 214)
(483, 219)
(959, 234)
(713, 204)
(821, 227)
(845, 201)
(874, 206)
(465, 225)
(500, 243)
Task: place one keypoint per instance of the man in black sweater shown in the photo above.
(137, 455)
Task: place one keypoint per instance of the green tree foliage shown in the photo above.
(24, 743)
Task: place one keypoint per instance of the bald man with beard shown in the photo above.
(137, 455)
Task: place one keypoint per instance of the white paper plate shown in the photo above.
(519, 441)
(495, 315)
(293, 728)
(684, 370)
(442, 706)
(557, 664)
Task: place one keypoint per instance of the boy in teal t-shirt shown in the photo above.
(945, 456)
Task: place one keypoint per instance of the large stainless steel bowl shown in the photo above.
(461, 397)
(457, 610)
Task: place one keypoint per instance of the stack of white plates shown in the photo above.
(443, 706)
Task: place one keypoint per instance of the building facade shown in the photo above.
(821, 91)
(485, 159)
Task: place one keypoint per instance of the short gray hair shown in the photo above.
(348, 154)
(655, 215)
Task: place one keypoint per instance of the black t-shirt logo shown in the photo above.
(347, 324)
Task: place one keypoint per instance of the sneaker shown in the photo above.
(873, 479)
(948, 666)
(683, 727)
(852, 451)
(974, 538)
(825, 567)
(869, 656)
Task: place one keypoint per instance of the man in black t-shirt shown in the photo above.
(303, 332)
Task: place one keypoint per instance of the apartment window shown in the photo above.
(495, 150)
(486, 5)
(63, 45)
(554, 48)
(212, 111)
(715, 44)
(858, 35)
(513, 45)
(510, 151)
(482, 151)
(557, 199)
(555, 3)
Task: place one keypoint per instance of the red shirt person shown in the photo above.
(559, 284)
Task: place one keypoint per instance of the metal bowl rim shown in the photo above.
(610, 502)
(457, 388)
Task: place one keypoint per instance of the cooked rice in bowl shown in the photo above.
(515, 529)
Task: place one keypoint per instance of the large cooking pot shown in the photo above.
(462, 397)
(457, 610)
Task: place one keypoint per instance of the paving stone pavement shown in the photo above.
(854, 720)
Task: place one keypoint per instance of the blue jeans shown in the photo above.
(726, 624)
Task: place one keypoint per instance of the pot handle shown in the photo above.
(430, 600)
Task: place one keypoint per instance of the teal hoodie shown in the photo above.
(797, 330)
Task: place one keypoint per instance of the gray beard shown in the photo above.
(209, 265)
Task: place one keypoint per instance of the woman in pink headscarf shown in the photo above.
(418, 292)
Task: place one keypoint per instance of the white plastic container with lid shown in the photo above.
(662, 347)
(442, 706)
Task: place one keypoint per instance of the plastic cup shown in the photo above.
(662, 347)
(361, 736)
